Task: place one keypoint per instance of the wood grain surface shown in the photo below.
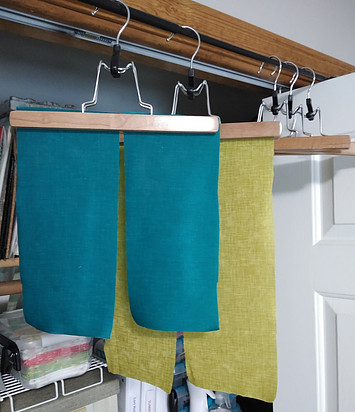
(204, 19)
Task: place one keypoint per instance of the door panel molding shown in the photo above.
(327, 194)
(335, 334)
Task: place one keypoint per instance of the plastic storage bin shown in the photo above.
(44, 357)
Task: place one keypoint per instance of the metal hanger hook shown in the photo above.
(313, 80)
(127, 21)
(295, 75)
(198, 45)
(274, 71)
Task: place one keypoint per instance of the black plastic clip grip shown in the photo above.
(191, 84)
(290, 105)
(10, 355)
(310, 114)
(275, 104)
(115, 61)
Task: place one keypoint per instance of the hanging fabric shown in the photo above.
(241, 357)
(67, 209)
(134, 351)
(172, 229)
(67, 206)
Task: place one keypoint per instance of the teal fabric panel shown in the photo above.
(172, 230)
(67, 208)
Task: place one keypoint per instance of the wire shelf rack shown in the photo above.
(13, 387)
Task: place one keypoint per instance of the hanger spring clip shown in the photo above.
(191, 90)
(115, 61)
(311, 114)
(275, 108)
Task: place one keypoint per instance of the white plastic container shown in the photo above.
(45, 357)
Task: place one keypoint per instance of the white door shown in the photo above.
(314, 205)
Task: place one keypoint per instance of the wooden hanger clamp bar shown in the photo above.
(249, 130)
(346, 151)
(307, 145)
(313, 143)
(142, 123)
(180, 124)
(111, 121)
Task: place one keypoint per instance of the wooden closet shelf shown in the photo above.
(8, 263)
(11, 287)
(204, 19)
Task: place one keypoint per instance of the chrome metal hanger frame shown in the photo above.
(116, 70)
(311, 113)
(129, 66)
(275, 107)
(191, 90)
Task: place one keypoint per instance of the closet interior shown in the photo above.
(176, 57)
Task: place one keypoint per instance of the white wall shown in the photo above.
(324, 25)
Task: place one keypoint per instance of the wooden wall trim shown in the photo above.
(204, 19)
(240, 33)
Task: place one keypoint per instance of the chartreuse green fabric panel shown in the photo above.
(241, 357)
(172, 229)
(67, 208)
(134, 351)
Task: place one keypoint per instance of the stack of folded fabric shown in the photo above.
(45, 358)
